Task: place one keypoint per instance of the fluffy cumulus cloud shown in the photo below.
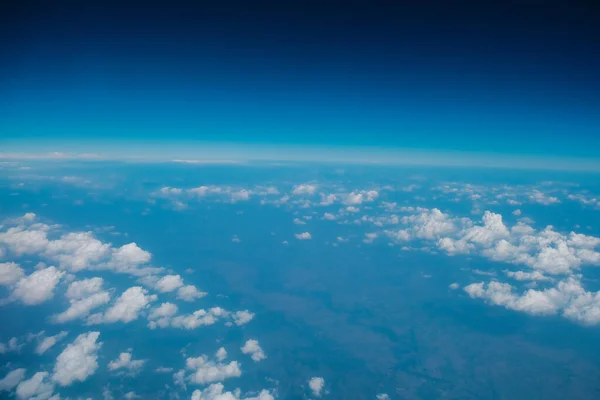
(12, 379)
(127, 307)
(304, 189)
(316, 385)
(252, 348)
(126, 362)
(199, 318)
(169, 283)
(84, 296)
(37, 287)
(79, 360)
(10, 273)
(206, 371)
(568, 298)
(74, 251)
(359, 197)
(303, 236)
(11, 346)
(242, 317)
(38, 387)
(189, 293)
(429, 224)
(49, 341)
(160, 317)
(216, 391)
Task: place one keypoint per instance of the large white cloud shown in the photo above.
(207, 371)
(78, 360)
(189, 293)
(252, 348)
(48, 342)
(38, 387)
(127, 307)
(84, 296)
(216, 391)
(125, 361)
(168, 283)
(316, 385)
(242, 317)
(199, 318)
(10, 273)
(161, 316)
(37, 287)
(12, 379)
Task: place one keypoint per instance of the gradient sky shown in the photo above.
(517, 79)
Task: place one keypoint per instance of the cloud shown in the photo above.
(304, 189)
(216, 392)
(298, 221)
(316, 385)
(252, 348)
(12, 379)
(382, 396)
(221, 354)
(242, 317)
(189, 293)
(125, 361)
(169, 283)
(84, 296)
(206, 371)
(454, 286)
(303, 236)
(79, 360)
(526, 276)
(127, 307)
(37, 287)
(10, 273)
(568, 298)
(37, 387)
(161, 316)
(11, 346)
(329, 217)
(359, 197)
(48, 342)
(199, 318)
(77, 251)
(538, 197)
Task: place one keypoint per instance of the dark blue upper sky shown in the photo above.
(515, 77)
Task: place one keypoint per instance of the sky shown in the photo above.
(509, 78)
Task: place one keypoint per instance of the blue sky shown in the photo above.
(473, 79)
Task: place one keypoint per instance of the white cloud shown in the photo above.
(37, 387)
(359, 197)
(84, 296)
(12, 379)
(568, 298)
(161, 316)
(77, 251)
(252, 348)
(10, 273)
(516, 212)
(125, 361)
(49, 341)
(169, 283)
(538, 197)
(207, 371)
(221, 354)
(190, 293)
(78, 360)
(10, 346)
(304, 189)
(199, 318)
(298, 221)
(316, 385)
(130, 256)
(37, 287)
(127, 307)
(454, 286)
(382, 396)
(329, 217)
(303, 236)
(242, 317)
(216, 391)
(527, 276)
